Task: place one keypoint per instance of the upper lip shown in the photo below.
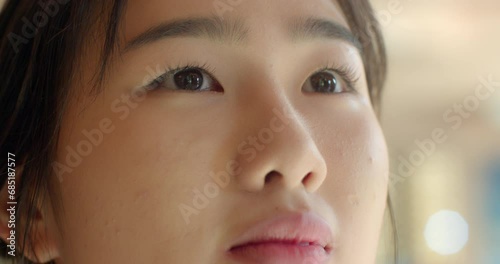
(292, 228)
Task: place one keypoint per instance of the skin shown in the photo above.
(122, 202)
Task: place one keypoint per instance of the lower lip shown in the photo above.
(280, 253)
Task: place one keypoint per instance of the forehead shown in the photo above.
(258, 15)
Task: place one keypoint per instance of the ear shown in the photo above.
(43, 235)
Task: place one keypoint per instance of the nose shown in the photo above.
(278, 149)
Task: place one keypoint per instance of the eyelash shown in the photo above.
(205, 67)
(348, 74)
(209, 70)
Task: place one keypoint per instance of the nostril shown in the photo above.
(271, 176)
(275, 176)
(307, 178)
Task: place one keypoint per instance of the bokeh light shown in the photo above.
(446, 232)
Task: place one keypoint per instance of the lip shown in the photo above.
(302, 238)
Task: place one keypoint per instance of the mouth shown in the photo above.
(302, 238)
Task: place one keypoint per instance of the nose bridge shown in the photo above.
(277, 147)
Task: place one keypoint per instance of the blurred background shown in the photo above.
(441, 117)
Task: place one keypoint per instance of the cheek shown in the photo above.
(135, 178)
(356, 154)
(355, 151)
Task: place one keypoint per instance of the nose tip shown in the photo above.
(291, 159)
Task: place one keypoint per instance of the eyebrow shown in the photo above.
(234, 31)
(212, 28)
(319, 28)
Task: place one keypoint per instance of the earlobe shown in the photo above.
(42, 246)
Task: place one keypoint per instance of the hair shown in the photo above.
(37, 69)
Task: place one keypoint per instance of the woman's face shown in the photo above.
(260, 151)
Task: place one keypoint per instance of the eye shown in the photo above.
(194, 79)
(328, 81)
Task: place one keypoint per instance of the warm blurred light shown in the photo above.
(446, 232)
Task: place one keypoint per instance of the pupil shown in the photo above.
(189, 79)
(324, 82)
